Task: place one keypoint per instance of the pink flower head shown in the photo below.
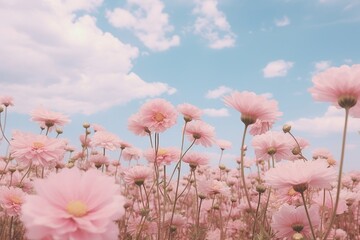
(131, 153)
(6, 101)
(158, 115)
(48, 119)
(104, 139)
(28, 148)
(190, 112)
(223, 144)
(137, 175)
(290, 220)
(315, 174)
(85, 140)
(195, 159)
(260, 127)
(73, 205)
(99, 160)
(200, 132)
(272, 143)
(213, 187)
(321, 153)
(163, 156)
(11, 200)
(253, 107)
(137, 125)
(338, 85)
(97, 127)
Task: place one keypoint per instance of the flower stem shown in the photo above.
(308, 216)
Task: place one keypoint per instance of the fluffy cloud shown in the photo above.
(322, 65)
(332, 121)
(218, 92)
(212, 112)
(148, 22)
(212, 25)
(278, 68)
(52, 57)
(282, 22)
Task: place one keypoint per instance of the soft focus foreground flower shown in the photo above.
(11, 200)
(105, 140)
(48, 119)
(158, 115)
(29, 148)
(315, 174)
(290, 220)
(338, 85)
(201, 132)
(190, 112)
(253, 107)
(73, 205)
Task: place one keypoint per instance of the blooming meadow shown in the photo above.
(51, 190)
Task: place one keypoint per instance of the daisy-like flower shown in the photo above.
(213, 187)
(321, 153)
(260, 127)
(137, 125)
(290, 220)
(189, 111)
(200, 132)
(164, 155)
(253, 107)
(158, 115)
(137, 175)
(105, 140)
(131, 153)
(48, 119)
(223, 144)
(276, 144)
(64, 210)
(11, 200)
(338, 85)
(6, 101)
(28, 148)
(99, 160)
(301, 175)
(195, 159)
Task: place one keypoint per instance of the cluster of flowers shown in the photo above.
(49, 190)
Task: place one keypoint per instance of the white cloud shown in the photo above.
(212, 25)
(278, 68)
(331, 122)
(51, 57)
(282, 22)
(322, 65)
(213, 112)
(148, 21)
(218, 92)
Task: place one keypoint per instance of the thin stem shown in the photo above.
(308, 216)
(256, 214)
(242, 168)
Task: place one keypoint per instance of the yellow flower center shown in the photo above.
(161, 151)
(76, 208)
(15, 199)
(291, 192)
(159, 117)
(37, 145)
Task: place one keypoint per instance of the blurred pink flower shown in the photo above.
(290, 220)
(107, 140)
(73, 205)
(260, 127)
(213, 187)
(253, 107)
(223, 144)
(321, 153)
(158, 115)
(6, 101)
(189, 111)
(201, 132)
(48, 119)
(338, 85)
(11, 200)
(195, 159)
(131, 153)
(137, 175)
(164, 155)
(137, 126)
(29, 148)
(99, 160)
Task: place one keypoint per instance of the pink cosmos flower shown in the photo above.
(28, 148)
(137, 175)
(73, 205)
(131, 153)
(290, 220)
(99, 160)
(189, 111)
(315, 174)
(158, 115)
(6, 101)
(48, 119)
(195, 159)
(200, 132)
(253, 107)
(260, 127)
(272, 143)
(321, 153)
(11, 200)
(97, 127)
(164, 155)
(338, 85)
(223, 144)
(104, 139)
(137, 125)
(213, 187)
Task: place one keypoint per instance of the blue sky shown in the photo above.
(99, 60)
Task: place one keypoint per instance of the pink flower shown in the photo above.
(200, 132)
(137, 175)
(104, 139)
(223, 144)
(253, 107)
(315, 174)
(28, 148)
(158, 115)
(6, 101)
(195, 159)
(290, 220)
(272, 143)
(11, 200)
(73, 205)
(190, 112)
(338, 85)
(260, 127)
(213, 187)
(99, 160)
(321, 153)
(164, 155)
(131, 153)
(48, 119)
